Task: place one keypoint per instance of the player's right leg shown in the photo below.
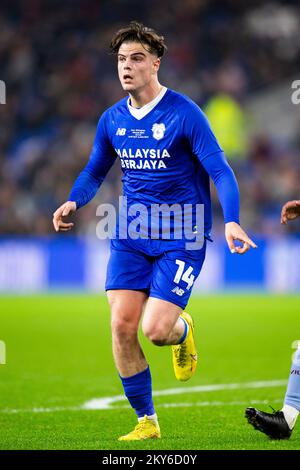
(126, 310)
(127, 280)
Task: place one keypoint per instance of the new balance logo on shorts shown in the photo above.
(178, 291)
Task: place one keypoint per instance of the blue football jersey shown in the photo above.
(166, 157)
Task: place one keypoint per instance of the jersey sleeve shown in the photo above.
(205, 147)
(101, 159)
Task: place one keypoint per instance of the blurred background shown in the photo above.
(236, 59)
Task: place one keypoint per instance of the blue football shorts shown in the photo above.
(162, 268)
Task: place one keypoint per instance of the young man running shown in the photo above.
(168, 153)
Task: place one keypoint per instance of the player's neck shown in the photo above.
(140, 98)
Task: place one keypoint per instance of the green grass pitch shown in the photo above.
(58, 350)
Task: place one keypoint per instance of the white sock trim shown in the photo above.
(152, 417)
(290, 414)
(187, 325)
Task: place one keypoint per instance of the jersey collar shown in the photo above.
(139, 113)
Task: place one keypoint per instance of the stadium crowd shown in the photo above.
(59, 76)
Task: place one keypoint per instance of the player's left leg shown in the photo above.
(165, 324)
(164, 321)
(161, 322)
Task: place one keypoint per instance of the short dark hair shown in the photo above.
(137, 32)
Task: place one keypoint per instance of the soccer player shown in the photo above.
(167, 152)
(280, 424)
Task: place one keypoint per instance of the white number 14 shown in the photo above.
(186, 276)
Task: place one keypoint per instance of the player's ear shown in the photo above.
(156, 64)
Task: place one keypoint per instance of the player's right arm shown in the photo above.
(101, 159)
(290, 211)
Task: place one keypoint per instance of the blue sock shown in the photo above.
(292, 397)
(138, 390)
(185, 331)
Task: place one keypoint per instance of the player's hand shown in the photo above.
(234, 231)
(290, 211)
(63, 211)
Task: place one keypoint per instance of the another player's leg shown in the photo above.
(126, 310)
(164, 323)
(280, 424)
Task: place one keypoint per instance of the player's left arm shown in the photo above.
(212, 158)
(224, 179)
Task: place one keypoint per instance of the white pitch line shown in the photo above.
(106, 403)
(207, 403)
(159, 405)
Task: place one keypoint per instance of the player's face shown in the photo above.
(136, 66)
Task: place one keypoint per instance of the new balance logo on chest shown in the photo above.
(121, 131)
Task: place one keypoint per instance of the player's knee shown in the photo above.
(123, 328)
(156, 335)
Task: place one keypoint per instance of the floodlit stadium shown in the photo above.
(239, 62)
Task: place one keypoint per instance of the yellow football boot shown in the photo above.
(185, 354)
(145, 429)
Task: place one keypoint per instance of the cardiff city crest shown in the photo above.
(158, 131)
